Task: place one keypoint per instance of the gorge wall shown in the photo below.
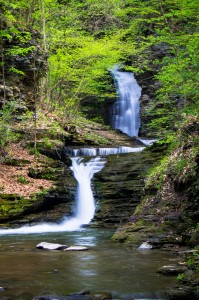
(119, 186)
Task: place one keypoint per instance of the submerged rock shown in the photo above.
(68, 297)
(172, 270)
(76, 248)
(51, 246)
(87, 295)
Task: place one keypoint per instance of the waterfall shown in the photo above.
(147, 142)
(101, 151)
(85, 204)
(83, 172)
(125, 112)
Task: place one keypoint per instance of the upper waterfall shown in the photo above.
(125, 112)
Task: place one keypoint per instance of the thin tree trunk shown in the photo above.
(3, 66)
(35, 105)
(44, 25)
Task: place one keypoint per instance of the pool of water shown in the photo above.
(26, 272)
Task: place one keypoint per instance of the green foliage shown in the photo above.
(14, 70)
(180, 164)
(15, 35)
(22, 179)
(181, 277)
(7, 133)
(47, 143)
(16, 50)
(157, 174)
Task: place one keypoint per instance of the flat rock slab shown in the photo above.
(76, 248)
(51, 246)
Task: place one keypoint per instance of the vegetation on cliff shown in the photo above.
(157, 40)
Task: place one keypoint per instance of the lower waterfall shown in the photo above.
(83, 172)
(84, 202)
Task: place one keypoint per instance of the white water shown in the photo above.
(102, 151)
(147, 142)
(85, 203)
(83, 172)
(125, 112)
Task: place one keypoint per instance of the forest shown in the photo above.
(57, 91)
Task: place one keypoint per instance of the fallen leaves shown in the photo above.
(9, 174)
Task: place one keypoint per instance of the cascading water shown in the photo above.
(101, 151)
(125, 112)
(85, 204)
(83, 172)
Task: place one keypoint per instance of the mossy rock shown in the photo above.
(44, 173)
(16, 162)
(11, 197)
(12, 206)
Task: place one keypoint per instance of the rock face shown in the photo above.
(32, 65)
(47, 206)
(168, 214)
(167, 217)
(119, 186)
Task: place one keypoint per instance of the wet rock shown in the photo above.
(69, 297)
(120, 186)
(145, 246)
(97, 295)
(85, 295)
(182, 293)
(51, 246)
(172, 270)
(76, 248)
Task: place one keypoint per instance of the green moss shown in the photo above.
(43, 173)
(11, 205)
(16, 162)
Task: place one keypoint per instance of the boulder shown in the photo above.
(145, 246)
(51, 246)
(172, 270)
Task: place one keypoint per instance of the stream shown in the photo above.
(106, 266)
